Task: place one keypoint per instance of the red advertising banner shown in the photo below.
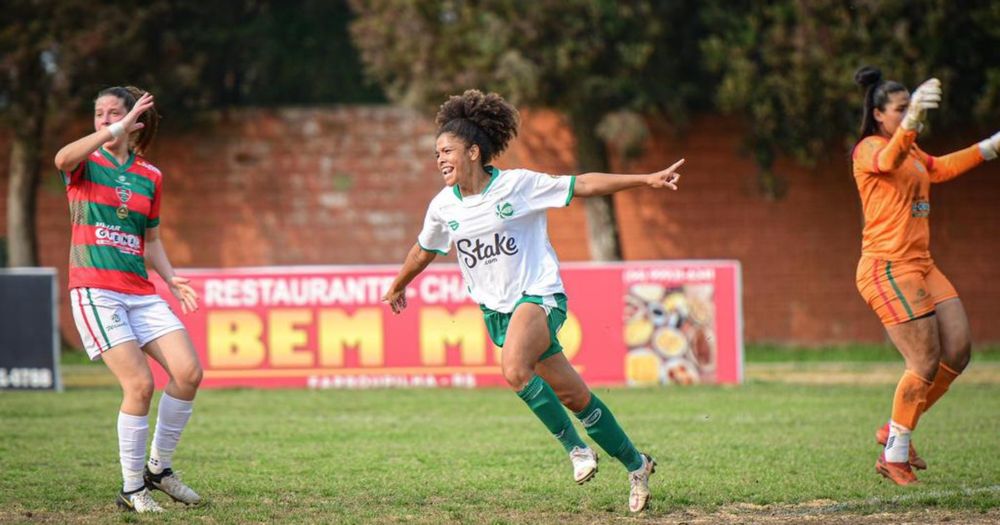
(636, 323)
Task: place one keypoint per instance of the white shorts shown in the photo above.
(106, 318)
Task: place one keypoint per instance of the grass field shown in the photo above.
(776, 451)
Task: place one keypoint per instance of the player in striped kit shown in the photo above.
(114, 200)
(496, 219)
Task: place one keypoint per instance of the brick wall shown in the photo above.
(349, 185)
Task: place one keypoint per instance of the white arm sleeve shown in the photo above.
(542, 191)
(434, 235)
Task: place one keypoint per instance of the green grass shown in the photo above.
(754, 353)
(434, 456)
(854, 353)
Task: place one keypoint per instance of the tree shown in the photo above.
(588, 58)
(43, 44)
(192, 55)
(787, 67)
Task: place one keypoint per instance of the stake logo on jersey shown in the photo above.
(485, 252)
(503, 246)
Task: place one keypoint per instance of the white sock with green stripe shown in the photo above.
(132, 434)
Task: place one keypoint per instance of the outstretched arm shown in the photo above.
(596, 184)
(947, 167)
(416, 261)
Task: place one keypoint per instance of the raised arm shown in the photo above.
(72, 154)
(416, 261)
(925, 97)
(597, 184)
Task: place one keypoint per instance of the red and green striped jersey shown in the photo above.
(111, 205)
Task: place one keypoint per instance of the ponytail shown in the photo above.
(877, 92)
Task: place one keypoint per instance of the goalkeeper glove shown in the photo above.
(925, 97)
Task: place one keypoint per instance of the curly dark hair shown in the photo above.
(486, 120)
(139, 140)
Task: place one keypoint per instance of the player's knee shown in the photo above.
(575, 400)
(925, 366)
(139, 389)
(517, 376)
(961, 355)
(191, 377)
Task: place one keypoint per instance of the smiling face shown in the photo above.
(895, 110)
(455, 160)
(108, 110)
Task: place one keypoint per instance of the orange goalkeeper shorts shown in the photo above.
(900, 291)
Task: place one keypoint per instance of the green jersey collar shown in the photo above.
(494, 173)
(113, 160)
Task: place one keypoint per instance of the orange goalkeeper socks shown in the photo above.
(945, 376)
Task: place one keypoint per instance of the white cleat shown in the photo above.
(638, 497)
(172, 486)
(584, 464)
(140, 501)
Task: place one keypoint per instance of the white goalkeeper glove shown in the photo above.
(990, 147)
(925, 97)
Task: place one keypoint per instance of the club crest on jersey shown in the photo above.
(124, 194)
(505, 210)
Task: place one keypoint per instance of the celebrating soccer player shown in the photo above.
(497, 221)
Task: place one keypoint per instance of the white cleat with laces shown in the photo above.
(584, 464)
(638, 497)
(172, 486)
(140, 501)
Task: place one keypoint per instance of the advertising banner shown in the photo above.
(640, 323)
(29, 329)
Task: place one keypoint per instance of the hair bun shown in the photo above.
(868, 76)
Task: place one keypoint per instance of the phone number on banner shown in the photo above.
(25, 378)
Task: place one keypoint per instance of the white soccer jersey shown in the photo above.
(501, 235)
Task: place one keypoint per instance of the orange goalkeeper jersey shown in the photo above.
(894, 178)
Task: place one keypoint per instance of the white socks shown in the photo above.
(132, 433)
(897, 447)
(171, 419)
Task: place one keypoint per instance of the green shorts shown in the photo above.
(496, 322)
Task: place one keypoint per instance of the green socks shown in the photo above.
(545, 404)
(602, 428)
(596, 418)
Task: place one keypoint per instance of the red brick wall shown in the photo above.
(349, 185)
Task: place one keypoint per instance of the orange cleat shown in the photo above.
(917, 462)
(899, 473)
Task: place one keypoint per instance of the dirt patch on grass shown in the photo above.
(820, 512)
(775, 514)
